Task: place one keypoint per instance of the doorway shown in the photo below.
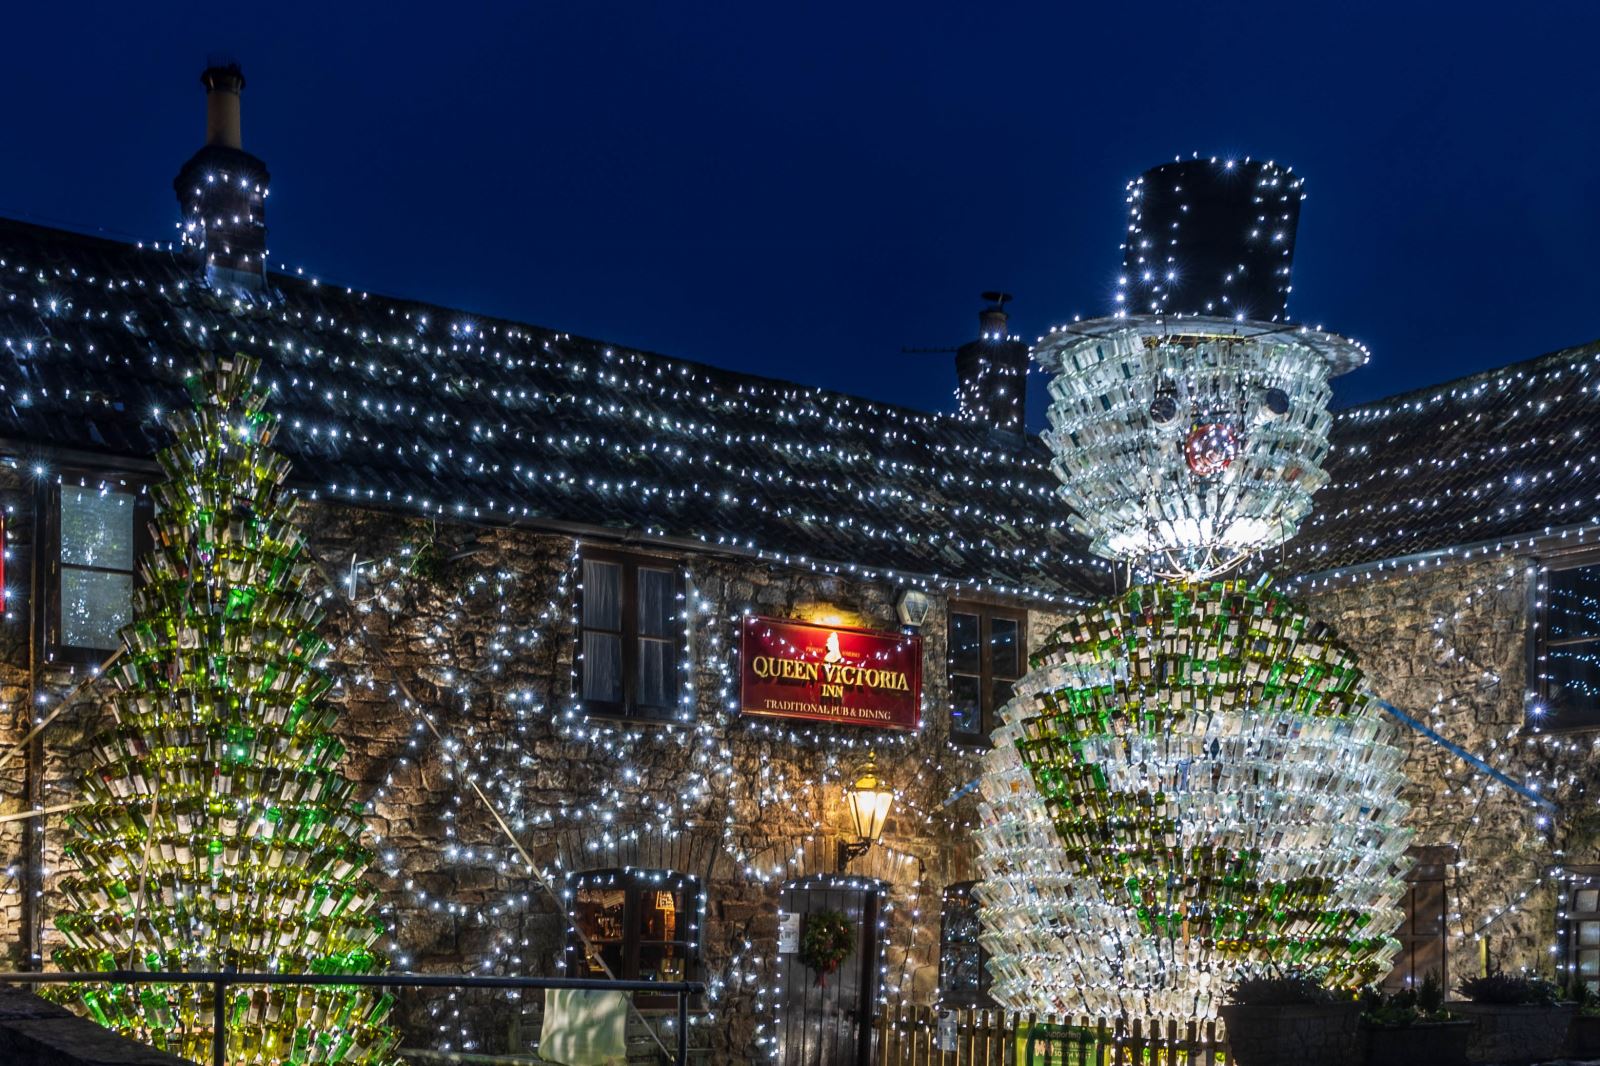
(826, 1019)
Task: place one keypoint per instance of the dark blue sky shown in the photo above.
(802, 189)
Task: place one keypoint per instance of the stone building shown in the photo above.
(1455, 551)
(544, 557)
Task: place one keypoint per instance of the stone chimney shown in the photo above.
(222, 190)
(992, 371)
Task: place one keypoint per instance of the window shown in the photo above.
(1422, 933)
(1569, 648)
(631, 641)
(95, 533)
(644, 925)
(963, 977)
(1580, 928)
(986, 656)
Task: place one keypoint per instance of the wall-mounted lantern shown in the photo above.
(913, 607)
(869, 798)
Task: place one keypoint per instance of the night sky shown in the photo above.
(801, 190)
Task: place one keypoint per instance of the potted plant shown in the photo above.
(1583, 1038)
(1411, 1026)
(1516, 1018)
(1292, 1017)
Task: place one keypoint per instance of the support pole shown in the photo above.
(683, 1028)
(219, 1021)
(1467, 757)
(29, 935)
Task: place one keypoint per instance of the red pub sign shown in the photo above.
(830, 674)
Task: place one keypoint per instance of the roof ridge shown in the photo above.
(1443, 389)
(948, 419)
(79, 230)
(942, 420)
(396, 403)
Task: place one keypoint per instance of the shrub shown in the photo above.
(1580, 993)
(1430, 994)
(1510, 989)
(1289, 988)
(1406, 1006)
(1391, 1017)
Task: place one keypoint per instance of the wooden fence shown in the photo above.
(924, 1036)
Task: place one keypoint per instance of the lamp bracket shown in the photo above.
(851, 849)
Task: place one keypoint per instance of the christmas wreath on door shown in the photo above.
(829, 938)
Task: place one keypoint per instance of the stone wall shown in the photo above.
(470, 631)
(1449, 646)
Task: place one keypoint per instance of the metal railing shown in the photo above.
(220, 980)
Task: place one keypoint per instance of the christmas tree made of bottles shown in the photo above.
(217, 830)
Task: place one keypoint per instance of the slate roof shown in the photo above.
(1482, 460)
(397, 403)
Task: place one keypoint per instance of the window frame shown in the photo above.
(48, 503)
(635, 881)
(987, 710)
(1539, 643)
(964, 1000)
(631, 563)
(1583, 877)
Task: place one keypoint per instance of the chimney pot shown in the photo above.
(223, 86)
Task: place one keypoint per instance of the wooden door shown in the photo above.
(1422, 936)
(826, 1019)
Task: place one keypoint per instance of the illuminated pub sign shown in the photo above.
(831, 674)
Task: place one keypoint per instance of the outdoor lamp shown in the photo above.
(912, 607)
(869, 798)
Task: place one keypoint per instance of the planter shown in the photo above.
(1508, 1034)
(1434, 1043)
(1583, 1038)
(1304, 1034)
